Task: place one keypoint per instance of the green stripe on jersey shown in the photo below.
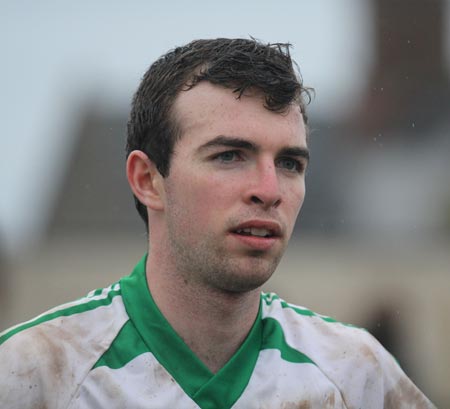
(269, 298)
(88, 305)
(273, 338)
(126, 346)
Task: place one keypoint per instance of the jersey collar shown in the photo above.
(208, 390)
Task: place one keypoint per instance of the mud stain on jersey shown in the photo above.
(368, 353)
(54, 351)
(102, 387)
(54, 343)
(330, 401)
(406, 395)
(296, 405)
(161, 375)
(27, 374)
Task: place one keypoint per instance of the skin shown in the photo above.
(236, 165)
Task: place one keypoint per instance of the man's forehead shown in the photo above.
(206, 102)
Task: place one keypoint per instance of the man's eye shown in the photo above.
(228, 156)
(290, 164)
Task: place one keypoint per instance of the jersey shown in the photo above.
(114, 349)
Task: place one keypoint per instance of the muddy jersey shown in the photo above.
(114, 349)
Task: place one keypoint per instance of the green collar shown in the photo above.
(208, 390)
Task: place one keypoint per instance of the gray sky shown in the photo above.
(55, 53)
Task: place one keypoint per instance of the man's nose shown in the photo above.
(264, 187)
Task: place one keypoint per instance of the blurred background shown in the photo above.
(372, 245)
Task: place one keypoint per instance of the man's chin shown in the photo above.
(247, 279)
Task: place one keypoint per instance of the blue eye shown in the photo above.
(290, 164)
(227, 156)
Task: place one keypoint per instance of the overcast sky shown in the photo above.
(54, 53)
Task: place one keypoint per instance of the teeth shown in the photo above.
(255, 232)
(260, 232)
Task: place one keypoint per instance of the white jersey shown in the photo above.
(114, 349)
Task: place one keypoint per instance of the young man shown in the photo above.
(217, 152)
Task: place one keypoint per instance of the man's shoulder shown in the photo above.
(314, 331)
(51, 353)
(349, 356)
(75, 317)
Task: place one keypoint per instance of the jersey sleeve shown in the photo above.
(399, 390)
(44, 361)
(363, 372)
(369, 376)
(31, 371)
(44, 365)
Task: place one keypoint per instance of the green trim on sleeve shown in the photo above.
(84, 306)
(269, 298)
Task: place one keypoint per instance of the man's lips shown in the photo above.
(258, 228)
(257, 234)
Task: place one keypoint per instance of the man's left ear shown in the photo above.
(145, 180)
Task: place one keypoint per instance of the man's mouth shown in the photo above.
(259, 235)
(255, 231)
(259, 228)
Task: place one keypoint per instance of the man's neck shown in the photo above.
(212, 323)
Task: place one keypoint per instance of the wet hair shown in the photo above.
(236, 64)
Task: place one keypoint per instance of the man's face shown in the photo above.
(235, 187)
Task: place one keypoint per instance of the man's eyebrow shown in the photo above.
(235, 142)
(229, 141)
(295, 151)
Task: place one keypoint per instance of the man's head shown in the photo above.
(237, 64)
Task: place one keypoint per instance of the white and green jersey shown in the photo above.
(114, 349)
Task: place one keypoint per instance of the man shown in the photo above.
(217, 152)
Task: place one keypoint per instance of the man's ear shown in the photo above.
(145, 180)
